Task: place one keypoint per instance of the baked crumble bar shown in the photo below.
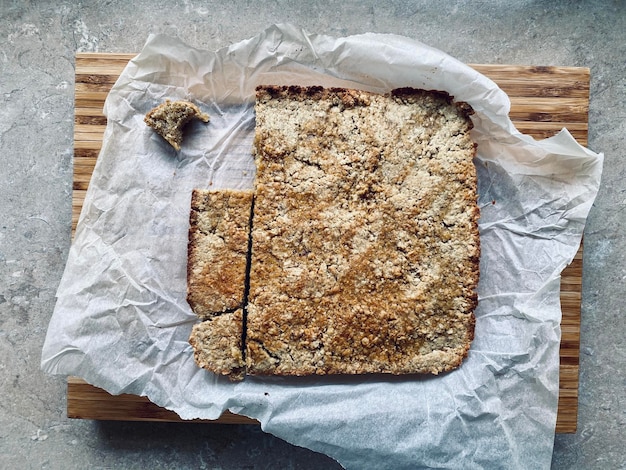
(365, 243)
(217, 345)
(218, 250)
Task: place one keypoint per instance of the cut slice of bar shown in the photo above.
(218, 250)
(217, 345)
(365, 244)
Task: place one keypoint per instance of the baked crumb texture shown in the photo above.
(219, 229)
(217, 345)
(365, 243)
(216, 276)
(169, 118)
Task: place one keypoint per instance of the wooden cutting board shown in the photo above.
(543, 101)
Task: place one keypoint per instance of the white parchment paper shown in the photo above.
(122, 322)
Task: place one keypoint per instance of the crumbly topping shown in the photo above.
(217, 250)
(217, 345)
(365, 243)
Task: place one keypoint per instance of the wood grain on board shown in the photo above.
(543, 101)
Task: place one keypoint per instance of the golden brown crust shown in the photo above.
(219, 226)
(169, 118)
(365, 243)
(217, 345)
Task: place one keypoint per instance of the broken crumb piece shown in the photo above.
(169, 118)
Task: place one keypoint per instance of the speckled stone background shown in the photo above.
(38, 40)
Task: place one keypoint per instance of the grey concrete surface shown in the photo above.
(38, 40)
